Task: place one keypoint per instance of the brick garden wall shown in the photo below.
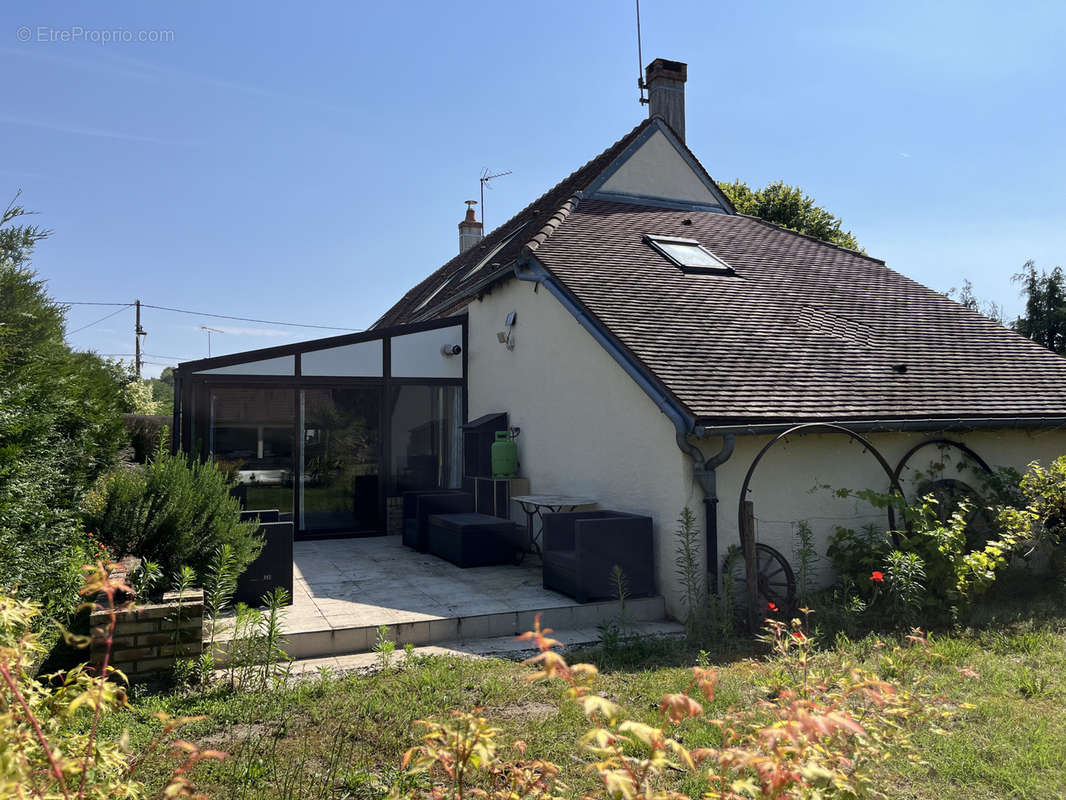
(148, 639)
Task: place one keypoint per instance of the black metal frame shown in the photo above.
(192, 393)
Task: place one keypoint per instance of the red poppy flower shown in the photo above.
(771, 607)
(877, 576)
(798, 636)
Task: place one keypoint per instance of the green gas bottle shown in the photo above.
(504, 456)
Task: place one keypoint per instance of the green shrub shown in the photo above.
(1041, 518)
(59, 430)
(175, 511)
(925, 574)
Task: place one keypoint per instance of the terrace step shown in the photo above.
(341, 639)
(497, 646)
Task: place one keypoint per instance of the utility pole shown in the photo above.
(138, 332)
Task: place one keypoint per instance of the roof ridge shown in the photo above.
(531, 213)
(554, 221)
(810, 238)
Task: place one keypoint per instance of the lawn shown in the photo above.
(1003, 675)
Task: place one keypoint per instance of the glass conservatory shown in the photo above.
(328, 431)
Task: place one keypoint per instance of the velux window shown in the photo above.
(689, 255)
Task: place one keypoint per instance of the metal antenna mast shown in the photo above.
(640, 62)
(209, 331)
(485, 178)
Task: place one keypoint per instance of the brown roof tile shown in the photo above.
(803, 331)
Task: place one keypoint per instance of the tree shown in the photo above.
(790, 207)
(1044, 320)
(60, 429)
(967, 299)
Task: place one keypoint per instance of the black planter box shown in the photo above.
(478, 436)
(273, 566)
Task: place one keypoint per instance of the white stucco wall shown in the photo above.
(587, 428)
(656, 169)
(787, 484)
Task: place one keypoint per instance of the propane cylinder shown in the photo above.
(504, 456)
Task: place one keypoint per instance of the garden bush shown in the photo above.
(932, 569)
(1041, 519)
(175, 511)
(59, 430)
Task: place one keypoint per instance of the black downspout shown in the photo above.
(703, 470)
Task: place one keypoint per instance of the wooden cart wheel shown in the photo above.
(776, 582)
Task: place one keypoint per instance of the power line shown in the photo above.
(249, 319)
(216, 316)
(97, 322)
(88, 303)
(153, 355)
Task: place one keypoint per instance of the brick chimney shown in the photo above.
(470, 230)
(665, 81)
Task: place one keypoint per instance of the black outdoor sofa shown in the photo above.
(581, 548)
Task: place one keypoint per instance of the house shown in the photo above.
(649, 342)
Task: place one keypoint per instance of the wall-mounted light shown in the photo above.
(506, 337)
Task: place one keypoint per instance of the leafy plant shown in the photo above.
(146, 577)
(688, 569)
(53, 744)
(806, 558)
(384, 648)
(905, 577)
(824, 734)
(256, 657)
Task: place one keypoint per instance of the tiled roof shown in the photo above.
(804, 330)
(536, 221)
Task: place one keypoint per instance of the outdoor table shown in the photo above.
(536, 504)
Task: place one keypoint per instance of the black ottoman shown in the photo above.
(426, 504)
(473, 540)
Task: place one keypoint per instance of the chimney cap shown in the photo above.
(665, 68)
(471, 217)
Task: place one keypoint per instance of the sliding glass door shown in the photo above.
(339, 458)
(425, 435)
(252, 436)
(328, 456)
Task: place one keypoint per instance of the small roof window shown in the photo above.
(689, 255)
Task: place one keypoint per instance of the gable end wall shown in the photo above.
(587, 428)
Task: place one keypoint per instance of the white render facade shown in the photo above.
(588, 429)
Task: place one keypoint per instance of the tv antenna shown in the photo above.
(640, 62)
(485, 178)
(209, 331)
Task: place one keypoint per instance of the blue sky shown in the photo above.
(309, 163)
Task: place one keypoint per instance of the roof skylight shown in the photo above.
(689, 255)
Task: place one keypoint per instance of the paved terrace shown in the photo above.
(344, 589)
